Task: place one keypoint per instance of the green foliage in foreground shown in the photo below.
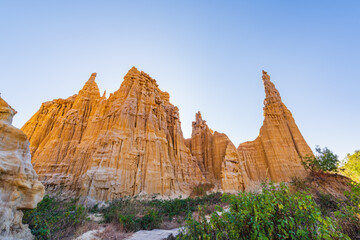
(325, 160)
(276, 213)
(133, 214)
(348, 213)
(53, 219)
(352, 166)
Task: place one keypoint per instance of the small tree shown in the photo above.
(352, 166)
(324, 160)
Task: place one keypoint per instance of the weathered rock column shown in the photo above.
(19, 187)
(276, 153)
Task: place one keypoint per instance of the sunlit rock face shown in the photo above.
(19, 187)
(128, 144)
(276, 153)
(132, 144)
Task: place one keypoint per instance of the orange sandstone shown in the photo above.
(128, 144)
(276, 153)
(131, 143)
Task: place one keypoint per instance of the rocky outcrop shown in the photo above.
(19, 187)
(128, 144)
(217, 157)
(276, 153)
(131, 143)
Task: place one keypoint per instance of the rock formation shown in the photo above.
(217, 157)
(276, 153)
(19, 187)
(131, 143)
(128, 144)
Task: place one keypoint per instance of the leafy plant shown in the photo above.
(325, 160)
(276, 213)
(53, 219)
(132, 222)
(348, 216)
(133, 214)
(327, 203)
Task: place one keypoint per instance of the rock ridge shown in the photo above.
(131, 143)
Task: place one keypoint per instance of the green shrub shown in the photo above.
(348, 216)
(327, 203)
(325, 160)
(53, 219)
(133, 214)
(273, 214)
(201, 189)
(133, 222)
(180, 207)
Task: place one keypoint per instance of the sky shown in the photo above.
(207, 54)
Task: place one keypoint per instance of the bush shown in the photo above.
(53, 219)
(180, 207)
(325, 160)
(273, 214)
(132, 222)
(327, 203)
(133, 214)
(348, 216)
(201, 189)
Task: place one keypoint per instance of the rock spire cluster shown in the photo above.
(131, 143)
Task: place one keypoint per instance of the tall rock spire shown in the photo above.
(272, 94)
(90, 89)
(276, 153)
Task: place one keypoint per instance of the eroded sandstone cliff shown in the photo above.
(131, 143)
(19, 187)
(128, 144)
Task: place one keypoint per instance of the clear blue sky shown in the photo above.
(207, 54)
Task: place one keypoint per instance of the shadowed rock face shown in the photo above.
(131, 143)
(19, 187)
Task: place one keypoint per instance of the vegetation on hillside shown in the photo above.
(275, 213)
(324, 160)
